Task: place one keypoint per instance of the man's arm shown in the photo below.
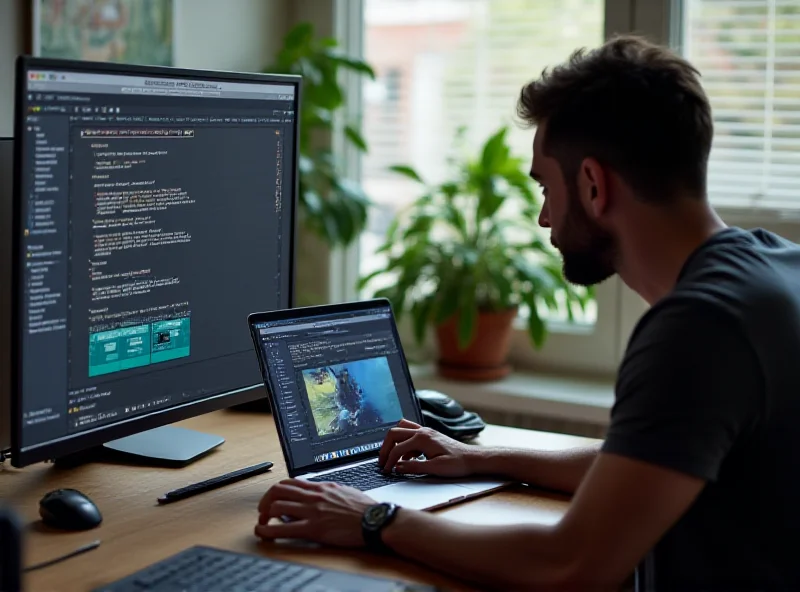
(562, 470)
(619, 512)
(689, 387)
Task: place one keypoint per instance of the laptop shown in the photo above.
(337, 381)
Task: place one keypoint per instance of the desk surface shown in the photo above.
(136, 531)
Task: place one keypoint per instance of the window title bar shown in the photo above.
(57, 81)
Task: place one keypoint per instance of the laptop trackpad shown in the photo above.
(419, 494)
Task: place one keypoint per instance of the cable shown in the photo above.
(78, 551)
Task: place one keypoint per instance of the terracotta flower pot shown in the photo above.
(485, 358)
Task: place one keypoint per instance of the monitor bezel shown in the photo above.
(247, 393)
(305, 312)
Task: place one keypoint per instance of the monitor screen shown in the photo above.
(339, 382)
(155, 211)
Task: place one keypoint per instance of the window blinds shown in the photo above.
(444, 64)
(748, 53)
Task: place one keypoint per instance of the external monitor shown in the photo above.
(154, 209)
(6, 175)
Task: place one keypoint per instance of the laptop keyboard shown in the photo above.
(364, 477)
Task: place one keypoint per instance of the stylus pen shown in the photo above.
(78, 551)
(203, 486)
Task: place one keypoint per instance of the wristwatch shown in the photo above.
(374, 520)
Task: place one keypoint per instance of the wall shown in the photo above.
(232, 35)
(13, 35)
(238, 35)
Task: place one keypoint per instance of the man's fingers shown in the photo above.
(419, 467)
(294, 492)
(291, 509)
(393, 437)
(298, 529)
(410, 446)
(405, 423)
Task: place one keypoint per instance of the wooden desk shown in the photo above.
(136, 531)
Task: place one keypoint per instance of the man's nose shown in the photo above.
(544, 219)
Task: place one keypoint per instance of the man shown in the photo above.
(698, 479)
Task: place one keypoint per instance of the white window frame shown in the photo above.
(593, 350)
(348, 29)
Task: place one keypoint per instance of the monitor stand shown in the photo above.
(166, 446)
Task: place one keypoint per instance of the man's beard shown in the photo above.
(588, 250)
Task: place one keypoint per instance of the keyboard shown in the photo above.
(364, 477)
(204, 569)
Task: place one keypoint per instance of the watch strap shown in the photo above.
(372, 531)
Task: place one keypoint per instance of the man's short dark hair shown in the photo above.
(634, 106)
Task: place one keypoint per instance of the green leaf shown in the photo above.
(450, 190)
(467, 318)
(319, 117)
(501, 283)
(355, 137)
(299, 36)
(328, 42)
(406, 171)
(490, 201)
(421, 313)
(362, 282)
(447, 300)
(454, 216)
(351, 64)
(313, 201)
(394, 225)
(421, 226)
(305, 165)
(328, 226)
(540, 277)
(495, 151)
(536, 327)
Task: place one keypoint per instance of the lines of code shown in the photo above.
(124, 198)
(308, 351)
(105, 319)
(138, 313)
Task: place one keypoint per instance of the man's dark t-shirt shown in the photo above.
(710, 386)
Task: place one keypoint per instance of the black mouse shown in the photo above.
(69, 509)
(439, 403)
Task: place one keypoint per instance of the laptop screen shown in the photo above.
(339, 382)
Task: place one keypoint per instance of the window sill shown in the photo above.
(550, 396)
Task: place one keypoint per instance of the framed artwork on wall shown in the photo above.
(128, 31)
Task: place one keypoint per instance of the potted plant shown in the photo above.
(330, 205)
(466, 255)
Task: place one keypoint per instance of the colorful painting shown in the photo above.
(128, 31)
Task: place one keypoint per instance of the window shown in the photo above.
(748, 53)
(446, 64)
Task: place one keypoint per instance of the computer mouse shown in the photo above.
(69, 509)
(439, 403)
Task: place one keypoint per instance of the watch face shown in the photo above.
(375, 514)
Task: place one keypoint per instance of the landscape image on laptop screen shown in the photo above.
(352, 396)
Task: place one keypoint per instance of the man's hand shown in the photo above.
(444, 456)
(322, 512)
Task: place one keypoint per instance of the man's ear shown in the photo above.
(593, 187)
